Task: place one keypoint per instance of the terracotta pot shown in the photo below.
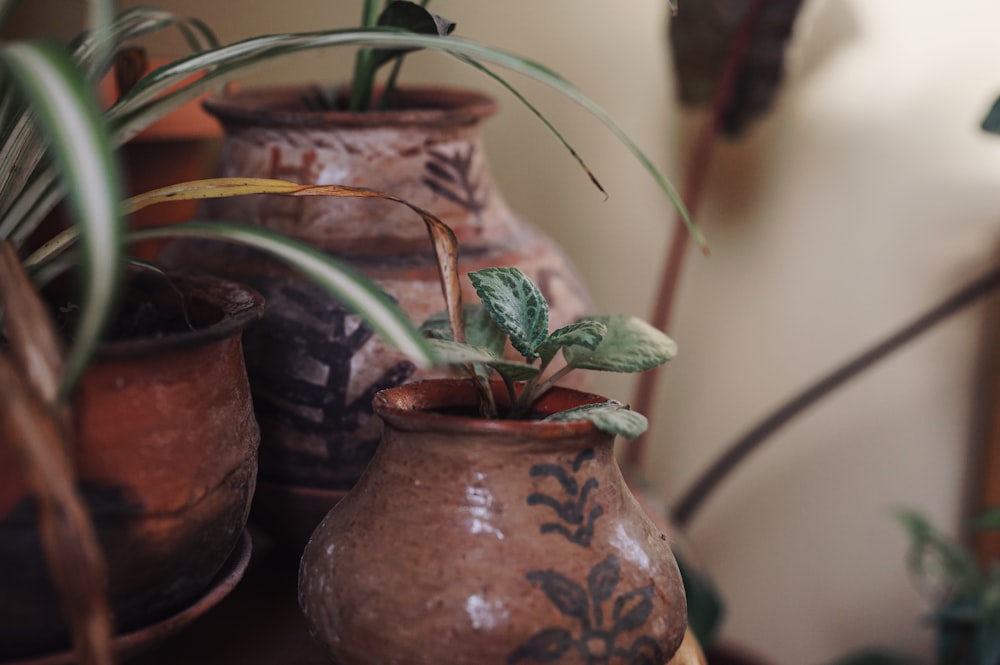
(166, 456)
(313, 367)
(470, 541)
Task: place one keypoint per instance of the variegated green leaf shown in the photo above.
(516, 305)
(72, 123)
(352, 289)
(612, 417)
(587, 333)
(630, 345)
(456, 353)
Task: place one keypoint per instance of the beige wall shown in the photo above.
(867, 195)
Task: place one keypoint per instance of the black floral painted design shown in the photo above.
(597, 638)
(576, 522)
(451, 177)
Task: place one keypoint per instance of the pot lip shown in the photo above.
(239, 306)
(407, 407)
(280, 106)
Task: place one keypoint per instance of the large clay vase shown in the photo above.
(313, 366)
(165, 451)
(479, 542)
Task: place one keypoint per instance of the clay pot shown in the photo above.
(471, 541)
(166, 456)
(313, 366)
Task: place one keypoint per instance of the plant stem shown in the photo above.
(648, 382)
(364, 75)
(734, 454)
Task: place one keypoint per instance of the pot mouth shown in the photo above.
(285, 106)
(432, 405)
(215, 308)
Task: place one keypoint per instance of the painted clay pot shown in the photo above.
(313, 366)
(470, 541)
(166, 457)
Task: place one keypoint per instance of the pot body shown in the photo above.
(165, 453)
(314, 367)
(469, 541)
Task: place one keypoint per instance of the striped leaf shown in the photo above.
(630, 345)
(352, 289)
(587, 333)
(74, 128)
(516, 305)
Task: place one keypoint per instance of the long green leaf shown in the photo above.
(74, 128)
(353, 290)
(141, 106)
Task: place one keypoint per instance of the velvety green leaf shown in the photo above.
(480, 329)
(354, 290)
(612, 417)
(937, 559)
(630, 345)
(991, 123)
(587, 333)
(73, 126)
(516, 305)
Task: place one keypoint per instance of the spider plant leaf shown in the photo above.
(612, 417)
(354, 290)
(630, 345)
(588, 333)
(456, 353)
(516, 305)
(147, 102)
(72, 123)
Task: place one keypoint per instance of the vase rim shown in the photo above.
(235, 306)
(283, 106)
(411, 407)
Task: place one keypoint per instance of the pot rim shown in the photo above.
(238, 304)
(281, 106)
(408, 407)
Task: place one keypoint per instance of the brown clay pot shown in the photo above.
(471, 541)
(165, 455)
(313, 366)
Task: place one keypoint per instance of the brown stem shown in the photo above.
(36, 428)
(735, 453)
(647, 384)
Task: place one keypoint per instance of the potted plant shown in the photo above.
(422, 144)
(493, 522)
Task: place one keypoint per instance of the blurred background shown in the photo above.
(866, 194)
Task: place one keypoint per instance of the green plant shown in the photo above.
(964, 594)
(513, 309)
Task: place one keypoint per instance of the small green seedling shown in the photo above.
(513, 308)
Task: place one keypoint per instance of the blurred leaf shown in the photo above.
(988, 520)
(939, 562)
(702, 37)
(991, 123)
(68, 114)
(410, 17)
(704, 602)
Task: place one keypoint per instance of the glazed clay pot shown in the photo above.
(313, 366)
(166, 456)
(471, 541)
